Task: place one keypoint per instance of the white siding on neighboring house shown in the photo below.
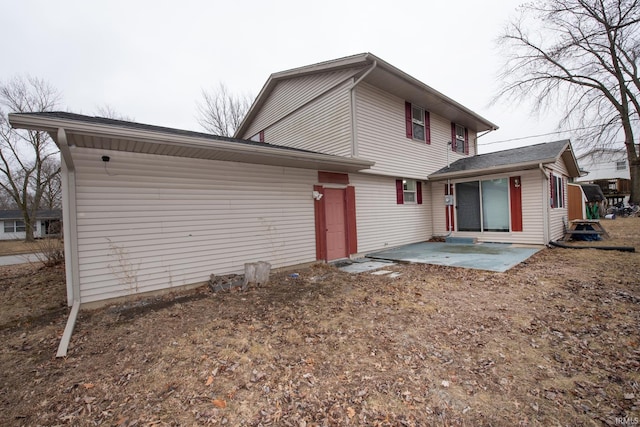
(20, 235)
(290, 95)
(604, 165)
(382, 223)
(148, 222)
(323, 126)
(381, 137)
(532, 210)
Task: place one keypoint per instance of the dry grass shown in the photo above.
(15, 247)
(554, 341)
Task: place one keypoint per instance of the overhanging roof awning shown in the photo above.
(108, 134)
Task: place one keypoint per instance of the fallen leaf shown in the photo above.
(351, 412)
(219, 403)
(88, 385)
(209, 380)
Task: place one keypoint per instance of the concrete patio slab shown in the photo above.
(482, 256)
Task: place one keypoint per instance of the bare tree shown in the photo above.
(52, 192)
(222, 112)
(583, 55)
(28, 163)
(109, 112)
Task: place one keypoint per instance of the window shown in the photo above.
(557, 191)
(14, 226)
(483, 205)
(459, 139)
(621, 165)
(409, 191)
(417, 121)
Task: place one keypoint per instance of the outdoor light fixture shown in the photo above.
(516, 182)
(317, 195)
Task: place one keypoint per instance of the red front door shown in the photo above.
(336, 222)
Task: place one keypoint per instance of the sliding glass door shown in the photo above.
(483, 205)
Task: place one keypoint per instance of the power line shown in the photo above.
(536, 136)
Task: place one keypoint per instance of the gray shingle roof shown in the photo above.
(40, 214)
(154, 128)
(531, 154)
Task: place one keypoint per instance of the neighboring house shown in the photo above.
(46, 224)
(608, 168)
(427, 180)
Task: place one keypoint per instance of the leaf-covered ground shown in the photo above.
(553, 341)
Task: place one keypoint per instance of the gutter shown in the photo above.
(69, 220)
(352, 97)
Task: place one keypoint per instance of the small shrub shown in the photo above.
(50, 251)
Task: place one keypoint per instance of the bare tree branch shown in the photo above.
(221, 112)
(584, 57)
(109, 112)
(29, 168)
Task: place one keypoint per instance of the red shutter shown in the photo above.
(561, 200)
(466, 141)
(427, 126)
(408, 121)
(553, 188)
(399, 192)
(419, 192)
(352, 235)
(448, 210)
(515, 191)
(261, 136)
(453, 137)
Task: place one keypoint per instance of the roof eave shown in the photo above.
(309, 160)
(412, 80)
(490, 170)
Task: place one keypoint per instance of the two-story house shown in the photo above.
(427, 179)
(334, 160)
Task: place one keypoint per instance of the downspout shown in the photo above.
(69, 221)
(545, 216)
(354, 138)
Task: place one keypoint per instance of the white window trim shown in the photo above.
(460, 143)
(408, 191)
(419, 123)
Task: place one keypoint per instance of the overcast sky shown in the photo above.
(149, 60)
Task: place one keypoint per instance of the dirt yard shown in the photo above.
(554, 341)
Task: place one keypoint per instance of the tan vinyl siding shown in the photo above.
(148, 222)
(323, 126)
(558, 216)
(532, 211)
(381, 137)
(382, 223)
(290, 95)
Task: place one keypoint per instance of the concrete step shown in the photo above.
(462, 240)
